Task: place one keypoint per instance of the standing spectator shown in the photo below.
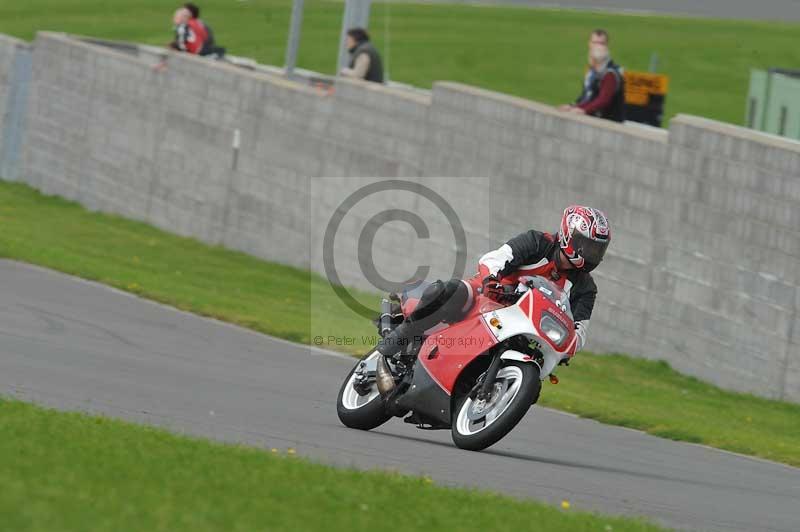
(599, 36)
(209, 46)
(603, 93)
(190, 35)
(365, 62)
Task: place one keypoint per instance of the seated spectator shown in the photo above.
(603, 93)
(365, 62)
(209, 46)
(190, 35)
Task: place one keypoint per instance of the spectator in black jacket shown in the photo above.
(603, 91)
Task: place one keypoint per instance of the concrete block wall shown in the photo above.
(747, 248)
(703, 270)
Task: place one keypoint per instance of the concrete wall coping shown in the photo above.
(389, 91)
(239, 71)
(8, 40)
(644, 133)
(74, 40)
(739, 132)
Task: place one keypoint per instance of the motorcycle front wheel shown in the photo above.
(477, 424)
(358, 411)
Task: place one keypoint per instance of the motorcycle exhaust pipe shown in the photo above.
(384, 379)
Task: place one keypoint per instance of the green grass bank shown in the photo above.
(68, 471)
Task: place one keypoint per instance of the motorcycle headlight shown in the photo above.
(553, 329)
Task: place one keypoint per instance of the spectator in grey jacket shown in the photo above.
(365, 62)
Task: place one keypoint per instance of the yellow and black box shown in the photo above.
(645, 95)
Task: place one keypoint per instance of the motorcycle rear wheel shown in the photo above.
(360, 412)
(477, 425)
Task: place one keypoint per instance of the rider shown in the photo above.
(566, 258)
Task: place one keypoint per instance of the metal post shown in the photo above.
(767, 97)
(294, 36)
(356, 15)
(654, 62)
(12, 131)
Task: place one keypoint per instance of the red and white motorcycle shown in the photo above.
(477, 377)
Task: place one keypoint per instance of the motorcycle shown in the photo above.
(477, 377)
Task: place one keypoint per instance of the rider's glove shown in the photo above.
(580, 337)
(490, 284)
(492, 288)
(581, 328)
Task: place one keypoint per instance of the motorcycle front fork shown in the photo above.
(485, 384)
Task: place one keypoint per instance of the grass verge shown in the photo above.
(533, 53)
(68, 471)
(276, 299)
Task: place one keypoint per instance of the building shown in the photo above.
(773, 102)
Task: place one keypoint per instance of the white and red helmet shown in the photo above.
(583, 236)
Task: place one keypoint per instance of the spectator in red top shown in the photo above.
(603, 93)
(209, 45)
(190, 34)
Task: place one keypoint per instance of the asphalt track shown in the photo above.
(779, 10)
(77, 345)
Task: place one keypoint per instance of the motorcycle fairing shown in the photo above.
(517, 319)
(426, 397)
(524, 318)
(446, 353)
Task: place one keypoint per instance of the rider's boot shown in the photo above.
(441, 300)
(397, 340)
